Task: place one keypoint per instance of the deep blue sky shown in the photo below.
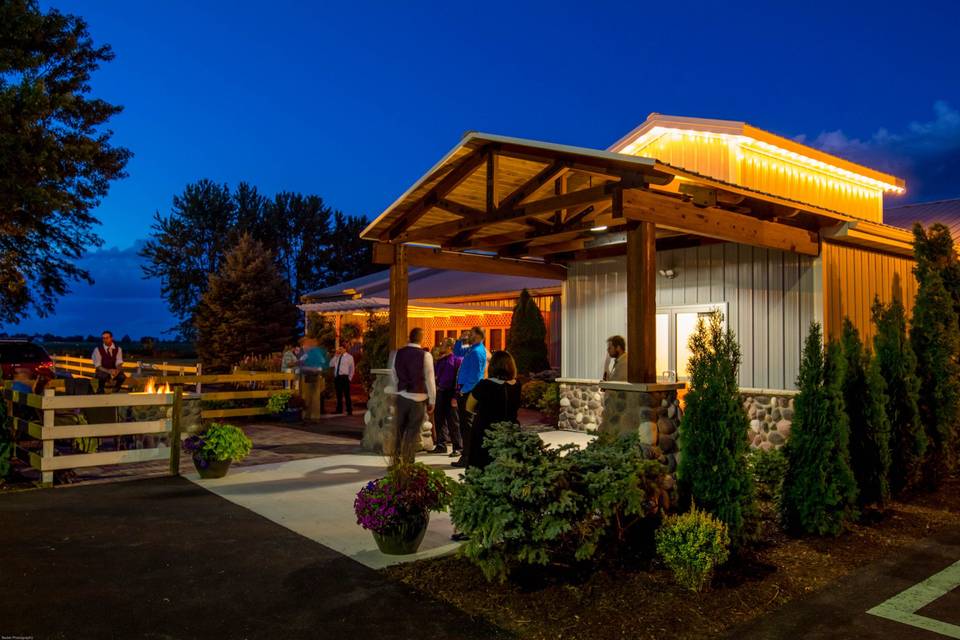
(353, 101)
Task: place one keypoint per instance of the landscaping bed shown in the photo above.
(647, 603)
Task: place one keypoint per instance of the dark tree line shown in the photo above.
(313, 246)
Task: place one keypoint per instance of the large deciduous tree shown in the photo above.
(246, 309)
(56, 156)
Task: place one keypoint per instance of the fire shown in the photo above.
(153, 387)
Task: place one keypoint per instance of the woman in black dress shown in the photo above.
(495, 399)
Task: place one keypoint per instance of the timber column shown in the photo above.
(642, 303)
(398, 298)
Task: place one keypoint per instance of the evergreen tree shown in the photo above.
(897, 366)
(713, 431)
(246, 309)
(935, 337)
(819, 491)
(527, 341)
(864, 395)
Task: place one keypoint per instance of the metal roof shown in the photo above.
(946, 212)
(414, 307)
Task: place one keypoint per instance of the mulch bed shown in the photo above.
(617, 603)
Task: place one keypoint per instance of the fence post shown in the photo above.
(175, 430)
(199, 373)
(46, 477)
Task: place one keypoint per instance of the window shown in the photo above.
(496, 339)
(437, 337)
(675, 325)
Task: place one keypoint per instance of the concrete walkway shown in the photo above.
(912, 595)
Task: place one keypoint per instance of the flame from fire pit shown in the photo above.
(153, 387)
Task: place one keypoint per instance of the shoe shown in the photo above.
(438, 449)
(460, 464)
(456, 453)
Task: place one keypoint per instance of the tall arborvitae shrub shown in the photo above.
(527, 341)
(865, 399)
(897, 366)
(713, 469)
(819, 491)
(935, 337)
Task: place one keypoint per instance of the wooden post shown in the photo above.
(642, 303)
(398, 298)
(46, 457)
(175, 428)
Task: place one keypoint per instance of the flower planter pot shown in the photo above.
(211, 468)
(404, 539)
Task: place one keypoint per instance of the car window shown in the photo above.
(21, 352)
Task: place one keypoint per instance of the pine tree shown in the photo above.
(527, 341)
(935, 337)
(713, 431)
(897, 366)
(864, 395)
(819, 491)
(246, 309)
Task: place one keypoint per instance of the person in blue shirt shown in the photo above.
(472, 368)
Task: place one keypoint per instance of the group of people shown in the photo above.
(463, 397)
(310, 360)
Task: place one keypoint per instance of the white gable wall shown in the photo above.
(769, 297)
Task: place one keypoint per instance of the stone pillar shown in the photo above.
(581, 404)
(378, 431)
(771, 416)
(652, 410)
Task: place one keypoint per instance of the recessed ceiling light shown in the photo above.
(598, 229)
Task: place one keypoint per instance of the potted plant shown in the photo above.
(396, 508)
(216, 447)
(287, 405)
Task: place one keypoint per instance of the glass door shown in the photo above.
(675, 325)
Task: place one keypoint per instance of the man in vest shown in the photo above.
(411, 371)
(108, 362)
(343, 366)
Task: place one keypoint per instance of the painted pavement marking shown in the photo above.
(903, 606)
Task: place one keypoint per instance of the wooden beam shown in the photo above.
(492, 196)
(556, 234)
(458, 209)
(642, 303)
(399, 294)
(445, 185)
(670, 212)
(437, 259)
(531, 186)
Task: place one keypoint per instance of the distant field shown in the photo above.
(172, 352)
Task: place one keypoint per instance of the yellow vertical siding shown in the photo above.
(853, 276)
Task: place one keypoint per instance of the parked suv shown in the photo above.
(15, 354)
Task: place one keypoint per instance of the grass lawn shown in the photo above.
(645, 602)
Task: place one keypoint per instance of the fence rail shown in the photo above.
(34, 416)
(84, 367)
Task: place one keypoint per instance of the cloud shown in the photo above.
(926, 154)
(119, 300)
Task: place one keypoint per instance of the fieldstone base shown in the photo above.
(581, 405)
(655, 415)
(771, 414)
(378, 420)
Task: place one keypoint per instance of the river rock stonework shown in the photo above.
(378, 419)
(655, 415)
(771, 415)
(581, 405)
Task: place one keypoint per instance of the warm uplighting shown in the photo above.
(153, 387)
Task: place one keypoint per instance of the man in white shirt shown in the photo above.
(108, 362)
(342, 366)
(411, 371)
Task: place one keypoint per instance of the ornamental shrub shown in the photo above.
(897, 366)
(537, 506)
(531, 392)
(767, 468)
(865, 399)
(376, 349)
(549, 403)
(527, 341)
(278, 402)
(693, 545)
(219, 442)
(713, 431)
(819, 491)
(935, 337)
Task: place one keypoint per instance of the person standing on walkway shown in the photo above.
(495, 399)
(615, 364)
(472, 368)
(413, 378)
(445, 418)
(312, 363)
(343, 367)
(108, 362)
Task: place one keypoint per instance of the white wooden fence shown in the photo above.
(83, 367)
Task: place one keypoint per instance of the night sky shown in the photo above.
(354, 101)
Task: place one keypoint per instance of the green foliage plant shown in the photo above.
(527, 341)
(692, 545)
(819, 490)
(549, 403)
(935, 337)
(713, 431)
(278, 402)
(865, 400)
(767, 468)
(536, 506)
(531, 392)
(376, 350)
(220, 441)
(897, 366)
